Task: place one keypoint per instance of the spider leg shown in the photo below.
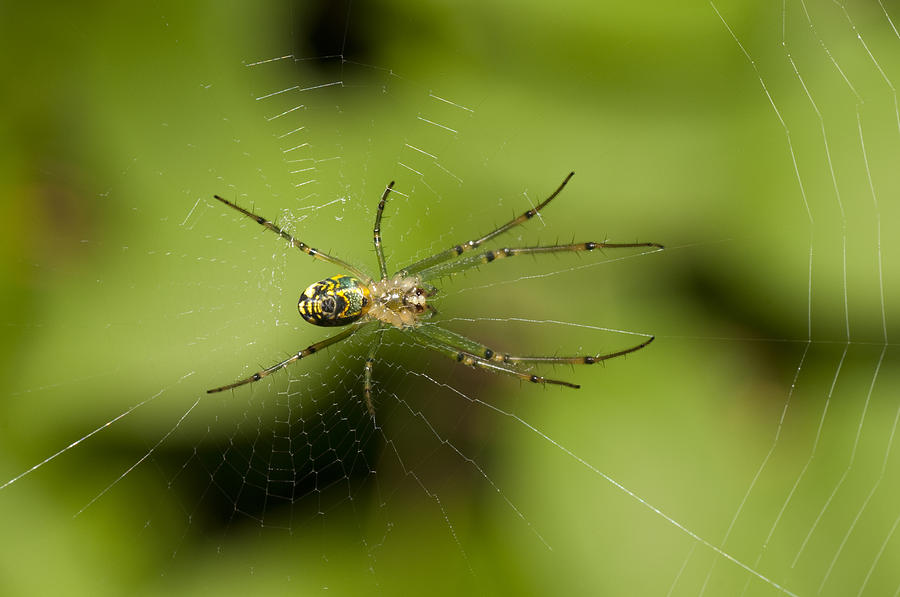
(469, 346)
(379, 251)
(458, 250)
(490, 256)
(312, 348)
(369, 369)
(467, 358)
(367, 384)
(474, 354)
(315, 254)
(450, 338)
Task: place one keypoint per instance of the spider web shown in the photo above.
(749, 450)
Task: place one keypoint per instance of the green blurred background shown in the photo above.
(761, 420)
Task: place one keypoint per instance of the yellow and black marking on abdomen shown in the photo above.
(338, 300)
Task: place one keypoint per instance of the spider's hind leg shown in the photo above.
(309, 350)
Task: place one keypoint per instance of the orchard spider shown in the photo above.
(401, 300)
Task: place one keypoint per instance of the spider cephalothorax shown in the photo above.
(401, 301)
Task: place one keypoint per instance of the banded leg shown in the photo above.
(379, 251)
(450, 338)
(472, 360)
(458, 250)
(311, 349)
(490, 256)
(297, 243)
(367, 384)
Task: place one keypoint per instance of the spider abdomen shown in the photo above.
(334, 301)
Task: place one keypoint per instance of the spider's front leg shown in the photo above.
(474, 261)
(456, 251)
(474, 354)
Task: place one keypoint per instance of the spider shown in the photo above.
(401, 301)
